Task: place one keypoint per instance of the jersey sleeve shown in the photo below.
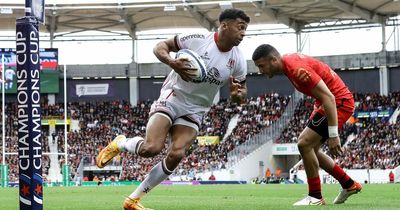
(305, 77)
(240, 70)
(189, 41)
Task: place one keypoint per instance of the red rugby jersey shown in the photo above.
(305, 72)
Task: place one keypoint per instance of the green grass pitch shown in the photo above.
(218, 197)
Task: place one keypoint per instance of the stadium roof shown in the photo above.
(130, 16)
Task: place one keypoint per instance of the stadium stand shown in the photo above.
(101, 121)
(375, 146)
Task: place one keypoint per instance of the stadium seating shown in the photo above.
(375, 146)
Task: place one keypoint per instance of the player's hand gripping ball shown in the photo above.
(195, 62)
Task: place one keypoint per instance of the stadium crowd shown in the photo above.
(375, 146)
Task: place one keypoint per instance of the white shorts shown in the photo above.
(179, 112)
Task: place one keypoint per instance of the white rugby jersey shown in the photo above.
(220, 66)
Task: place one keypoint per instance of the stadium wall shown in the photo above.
(149, 88)
(254, 164)
(360, 81)
(396, 172)
(373, 176)
(389, 58)
(394, 79)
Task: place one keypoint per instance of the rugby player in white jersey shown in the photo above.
(182, 103)
(9, 77)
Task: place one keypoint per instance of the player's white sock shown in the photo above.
(157, 174)
(131, 144)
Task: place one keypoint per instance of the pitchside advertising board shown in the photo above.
(49, 73)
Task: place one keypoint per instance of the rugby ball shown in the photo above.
(196, 62)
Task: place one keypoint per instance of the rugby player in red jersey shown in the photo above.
(333, 106)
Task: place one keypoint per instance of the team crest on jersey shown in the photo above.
(230, 63)
(302, 75)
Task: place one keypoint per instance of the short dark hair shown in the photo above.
(264, 50)
(233, 14)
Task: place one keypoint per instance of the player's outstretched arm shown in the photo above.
(323, 94)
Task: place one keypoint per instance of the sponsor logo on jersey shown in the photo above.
(192, 36)
(213, 76)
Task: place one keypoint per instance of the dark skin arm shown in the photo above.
(180, 65)
(323, 94)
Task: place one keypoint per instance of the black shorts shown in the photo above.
(319, 124)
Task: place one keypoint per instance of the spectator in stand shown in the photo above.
(212, 177)
(95, 179)
(391, 177)
(376, 146)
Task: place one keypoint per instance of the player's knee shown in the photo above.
(303, 144)
(177, 154)
(150, 150)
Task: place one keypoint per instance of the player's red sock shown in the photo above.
(314, 187)
(342, 177)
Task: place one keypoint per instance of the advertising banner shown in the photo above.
(285, 149)
(373, 114)
(98, 89)
(91, 89)
(208, 140)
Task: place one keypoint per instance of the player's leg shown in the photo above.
(328, 165)
(308, 139)
(349, 186)
(182, 137)
(156, 132)
(161, 117)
